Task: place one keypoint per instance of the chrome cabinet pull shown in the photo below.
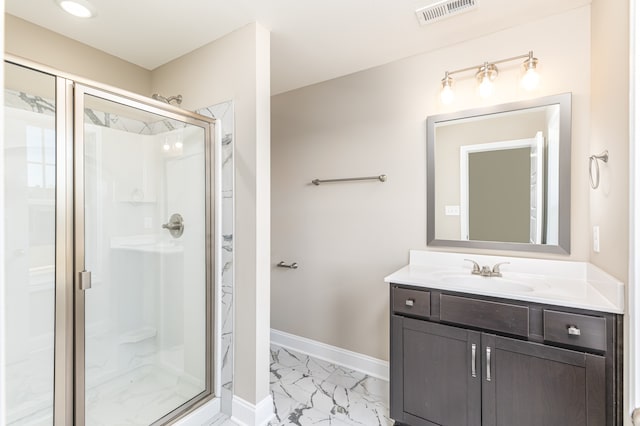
(409, 302)
(488, 364)
(473, 360)
(573, 330)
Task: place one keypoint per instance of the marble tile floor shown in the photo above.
(138, 397)
(309, 391)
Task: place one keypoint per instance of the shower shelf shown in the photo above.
(137, 335)
(145, 243)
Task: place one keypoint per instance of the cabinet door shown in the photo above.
(441, 374)
(528, 383)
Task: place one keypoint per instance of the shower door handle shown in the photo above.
(84, 280)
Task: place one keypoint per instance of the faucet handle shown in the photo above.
(495, 272)
(476, 267)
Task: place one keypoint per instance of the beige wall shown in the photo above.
(237, 67)
(609, 204)
(40, 45)
(347, 237)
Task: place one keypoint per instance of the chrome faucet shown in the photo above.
(495, 272)
(486, 270)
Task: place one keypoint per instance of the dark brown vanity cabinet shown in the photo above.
(447, 371)
(433, 366)
(534, 384)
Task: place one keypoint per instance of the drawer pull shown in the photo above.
(416, 303)
(573, 330)
(473, 360)
(488, 364)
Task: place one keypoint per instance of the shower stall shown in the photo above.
(108, 253)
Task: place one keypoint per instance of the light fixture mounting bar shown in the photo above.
(475, 67)
(500, 61)
(513, 58)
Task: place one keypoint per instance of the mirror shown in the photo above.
(499, 177)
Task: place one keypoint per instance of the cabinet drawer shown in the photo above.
(412, 302)
(500, 317)
(575, 329)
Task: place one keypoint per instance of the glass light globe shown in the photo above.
(446, 94)
(530, 79)
(485, 89)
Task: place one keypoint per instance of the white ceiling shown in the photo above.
(311, 40)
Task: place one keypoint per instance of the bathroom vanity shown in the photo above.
(521, 349)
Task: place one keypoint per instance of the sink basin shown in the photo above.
(498, 284)
(488, 283)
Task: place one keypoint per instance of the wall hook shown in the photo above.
(604, 157)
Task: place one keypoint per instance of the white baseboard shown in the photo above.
(247, 414)
(201, 415)
(356, 361)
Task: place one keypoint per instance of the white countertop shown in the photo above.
(553, 282)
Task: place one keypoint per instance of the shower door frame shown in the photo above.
(69, 390)
(79, 253)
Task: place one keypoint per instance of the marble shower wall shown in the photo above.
(225, 114)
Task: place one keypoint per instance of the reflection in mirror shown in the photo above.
(498, 177)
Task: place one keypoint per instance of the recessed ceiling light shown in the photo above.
(79, 8)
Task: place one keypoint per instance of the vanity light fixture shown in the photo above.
(487, 73)
(77, 8)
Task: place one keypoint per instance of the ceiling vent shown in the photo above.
(444, 9)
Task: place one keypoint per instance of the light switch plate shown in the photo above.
(596, 239)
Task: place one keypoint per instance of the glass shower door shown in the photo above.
(29, 166)
(143, 265)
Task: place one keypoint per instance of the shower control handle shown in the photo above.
(175, 226)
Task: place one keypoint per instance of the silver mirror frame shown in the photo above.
(564, 230)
